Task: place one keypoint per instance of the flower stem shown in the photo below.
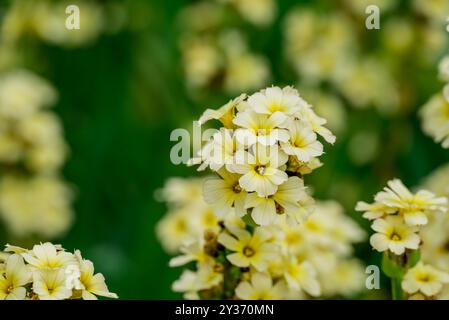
(396, 289)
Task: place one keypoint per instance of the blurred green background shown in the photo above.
(120, 98)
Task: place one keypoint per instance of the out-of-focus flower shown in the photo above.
(424, 279)
(261, 287)
(318, 58)
(39, 205)
(202, 61)
(248, 250)
(443, 68)
(258, 12)
(435, 119)
(49, 18)
(362, 81)
(359, 6)
(363, 147)
(22, 93)
(398, 35)
(432, 9)
(246, 71)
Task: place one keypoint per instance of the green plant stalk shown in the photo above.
(396, 289)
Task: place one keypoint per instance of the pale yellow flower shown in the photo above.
(225, 193)
(191, 251)
(219, 151)
(274, 99)
(22, 93)
(425, 279)
(191, 282)
(47, 256)
(435, 119)
(394, 235)
(260, 172)
(285, 201)
(93, 284)
(303, 142)
(246, 71)
(174, 229)
(301, 275)
(414, 207)
(249, 250)
(39, 205)
(14, 278)
(260, 128)
(261, 287)
(225, 114)
(50, 284)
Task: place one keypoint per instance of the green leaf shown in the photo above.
(413, 258)
(391, 268)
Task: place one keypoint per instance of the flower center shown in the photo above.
(423, 278)
(9, 289)
(395, 237)
(248, 251)
(236, 188)
(261, 170)
(279, 208)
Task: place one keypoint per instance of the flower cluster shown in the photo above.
(337, 57)
(267, 142)
(48, 272)
(435, 113)
(398, 216)
(406, 231)
(215, 53)
(233, 260)
(33, 199)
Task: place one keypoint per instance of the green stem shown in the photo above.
(396, 288)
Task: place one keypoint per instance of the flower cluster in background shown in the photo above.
(230, 260)
(435, 113)
(215, 52)
(48, 272)
(34, 200)
(400, 217)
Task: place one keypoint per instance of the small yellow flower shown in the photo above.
(261, 288)
(94, 284)
(225, 114)
(51, 284)
(414, 207)
(284, 203)
(394, 235)
(260, 172)
(301, 276)
(47, 256)
(425, 279)
(225, 193)
(260, 128)
(274, 99)
(14, 278)
(249, 250)
(303, 142)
